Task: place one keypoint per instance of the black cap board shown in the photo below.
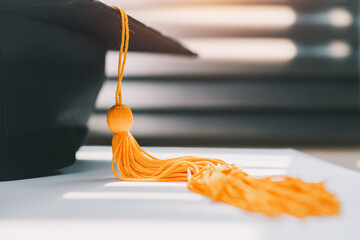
(51, 69)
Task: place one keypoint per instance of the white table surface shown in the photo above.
(85, 201)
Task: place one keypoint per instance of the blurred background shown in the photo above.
(281, 73)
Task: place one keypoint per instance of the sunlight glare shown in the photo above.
(340, 17)
(219, 16)
(246, 49)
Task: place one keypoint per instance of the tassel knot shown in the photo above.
(119, 119)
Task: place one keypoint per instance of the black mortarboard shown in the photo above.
(51, 69)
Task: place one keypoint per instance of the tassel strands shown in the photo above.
(210, 177)
(290, 195)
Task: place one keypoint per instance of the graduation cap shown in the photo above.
(51, 70)
(52, 64)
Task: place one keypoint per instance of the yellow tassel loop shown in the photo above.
(210, 177)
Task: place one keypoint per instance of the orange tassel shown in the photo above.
(210, 177)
